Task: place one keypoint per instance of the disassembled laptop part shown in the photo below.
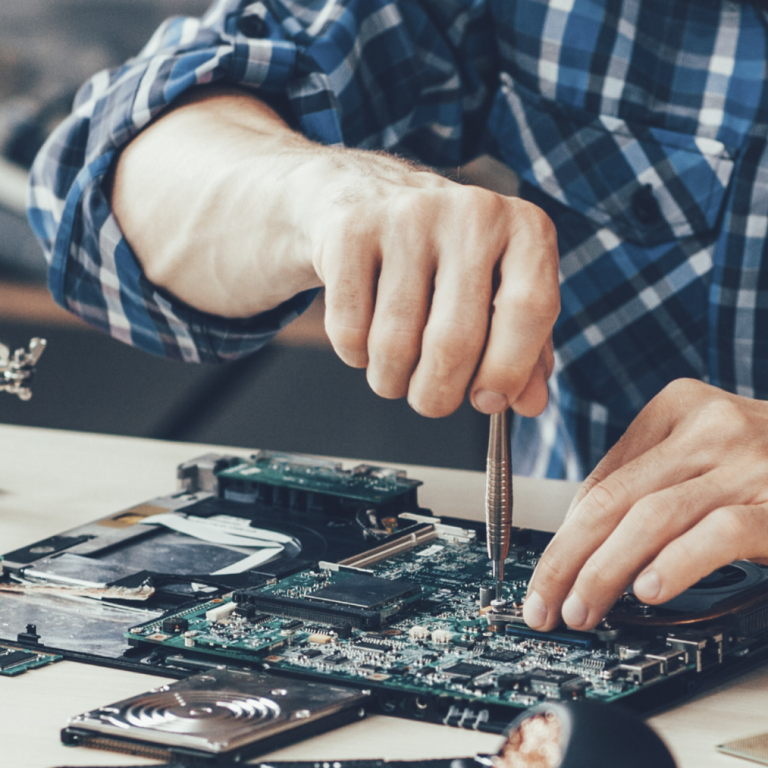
(16, 369)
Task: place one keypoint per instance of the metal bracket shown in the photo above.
(16, 369)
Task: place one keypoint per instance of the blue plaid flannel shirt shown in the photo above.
(638, 125)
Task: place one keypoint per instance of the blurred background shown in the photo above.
(294, 395)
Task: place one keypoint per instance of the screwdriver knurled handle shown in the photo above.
(498, 489)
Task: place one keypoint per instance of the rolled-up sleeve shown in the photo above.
(412, 78)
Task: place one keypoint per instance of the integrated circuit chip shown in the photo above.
(367, 592)
(503, 656)
(364, 645)
(466, 670)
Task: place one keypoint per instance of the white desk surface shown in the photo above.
(51, 481)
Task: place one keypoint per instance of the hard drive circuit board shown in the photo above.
(412, 624)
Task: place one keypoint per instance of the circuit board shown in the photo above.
(16, 661)
(278, 474)
(368, 590)
(411, 626)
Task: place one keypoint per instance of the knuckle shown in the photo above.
(395, 343)
(653, 513)
(682, 391)
(731, 527)
(549, 571)
(723, 417)
(449, 349)
(531, 217)
(597, 575)
(601, 501)
(535, 303)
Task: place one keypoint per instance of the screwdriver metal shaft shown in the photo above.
(498, 496)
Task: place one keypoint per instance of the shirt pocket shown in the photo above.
(649, 185)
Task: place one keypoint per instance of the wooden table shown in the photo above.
(51, 481)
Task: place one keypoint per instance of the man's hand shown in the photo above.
(432, 286)
(436, 288)
(684, 492)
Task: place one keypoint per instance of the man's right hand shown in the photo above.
(436, 288)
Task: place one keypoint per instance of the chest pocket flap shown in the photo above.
(649, 185)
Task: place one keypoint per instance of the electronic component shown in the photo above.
(220, 612)
(354, 600)
(465, 670)
(506, 657)
(218, 716)
(296, 481)
(365, 597)
(365, 591)
(175, 625)
(15, 661)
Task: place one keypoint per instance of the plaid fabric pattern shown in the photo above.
(638, 125)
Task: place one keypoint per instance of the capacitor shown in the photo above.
(486, 595)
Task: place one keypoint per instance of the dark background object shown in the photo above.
(593, 735)
(288, 397)
(48, 49)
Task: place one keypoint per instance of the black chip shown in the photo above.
(505, 657)
(370, 667)
(513, 681)
(364, 591)
(398, 670)
(344, 631)
(364, 645)
(466, 670)
(550, 676)
(175, 625)
(337, 658)
(424, 671)
(312, 653)
(260, 618)
(557, 684)
(13, 658)
(295, 624)
(466, 644)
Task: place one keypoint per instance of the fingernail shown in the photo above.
(489, 402)
(574, 612)
(534, 611)
(647, 585)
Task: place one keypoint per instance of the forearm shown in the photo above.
(434, 287)
(219, 199)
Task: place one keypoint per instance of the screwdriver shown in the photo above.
(498, 496)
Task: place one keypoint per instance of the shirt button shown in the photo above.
(645, 206)
(252, 25)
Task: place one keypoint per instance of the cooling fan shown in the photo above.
(733, 591)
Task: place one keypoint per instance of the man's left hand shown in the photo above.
(684, 492)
